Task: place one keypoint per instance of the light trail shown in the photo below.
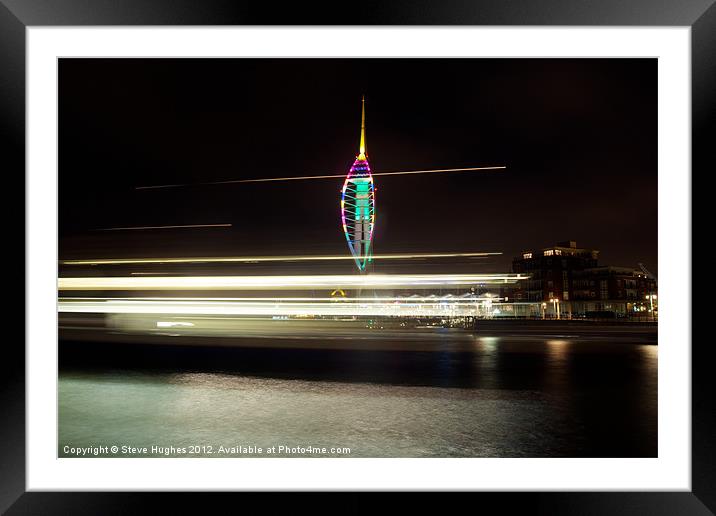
(151, 273)
(406, 299)
(330, 176)
(167, 227)
(258, 259)
(169, 307)
(374, 281)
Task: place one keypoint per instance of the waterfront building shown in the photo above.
(569, 282)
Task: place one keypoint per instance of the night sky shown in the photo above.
(579, 138)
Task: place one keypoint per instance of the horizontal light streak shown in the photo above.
(373, 299)
(301, 309)
(191, 226)
(329, 176)
(374, 281)
(437, 170)
(258, 259)
(151, 273)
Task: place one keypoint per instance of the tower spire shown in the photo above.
(362, 154)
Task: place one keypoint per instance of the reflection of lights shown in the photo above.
(558, 348)
(376, 281)
(650, 352)
(488, 343)
(257, 259)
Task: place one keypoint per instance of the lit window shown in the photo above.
(527, 256)
(557, 251)
(550, 252)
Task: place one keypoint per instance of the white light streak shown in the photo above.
(374, 281)
(173, 324)
(185, 226)
(382, 299)
(330, 176)
(169, 307)
(259, 259)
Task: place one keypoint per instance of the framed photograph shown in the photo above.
(441, 249)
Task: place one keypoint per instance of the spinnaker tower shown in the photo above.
(358, 204)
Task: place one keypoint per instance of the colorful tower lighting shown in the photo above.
(358, 204)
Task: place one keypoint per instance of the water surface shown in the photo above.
(504, 396)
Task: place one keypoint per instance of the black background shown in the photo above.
(578, 137)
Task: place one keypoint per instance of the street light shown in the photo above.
(651, 298)
(555, 301)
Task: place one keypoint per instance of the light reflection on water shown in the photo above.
(498, 397)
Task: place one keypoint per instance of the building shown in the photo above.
(358, 205)
(569, 282)
(551, 270)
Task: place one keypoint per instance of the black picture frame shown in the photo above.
(17, 15)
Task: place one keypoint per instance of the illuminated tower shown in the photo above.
(358, 205)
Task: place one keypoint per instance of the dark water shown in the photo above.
(491, 396)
